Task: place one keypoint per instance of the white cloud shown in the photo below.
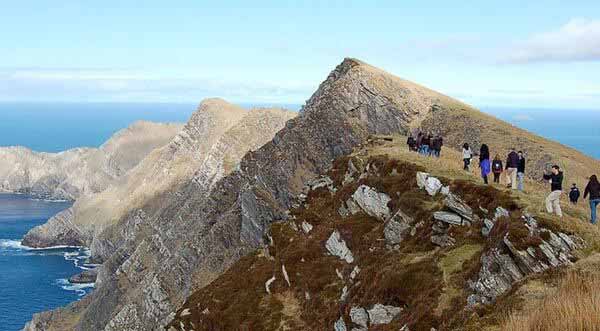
(124, 85)
(578, 40)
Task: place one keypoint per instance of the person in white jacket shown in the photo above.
(467, 155)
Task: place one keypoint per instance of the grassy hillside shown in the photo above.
(428, 282)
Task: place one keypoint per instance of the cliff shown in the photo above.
(78, 172)
(169, 250)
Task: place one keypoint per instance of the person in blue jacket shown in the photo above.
(484, 162)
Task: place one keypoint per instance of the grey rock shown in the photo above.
(372, 202)
(382, 314)
(456, 204)
(335, 245)
(397, 227)
(487, 227)
(354, 272)
(340, 325)
(359, 316)
(422, 179)
(500, 212)
(433, 186)
(352, 206)
(344, 294)
(448, 217)
(306, 227)
(443, 240)
(285, 275)
(84, 277)
(323, 181)
(268, 284)
(445, 190)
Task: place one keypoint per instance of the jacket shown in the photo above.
(426, 141)
(593, 190)
(437, 143)
(467, 153)
(521, 166)
(555, 181)
(497, 166)
(574, 194)
(512, 161)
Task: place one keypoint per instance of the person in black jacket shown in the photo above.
(411, 142)
(520, 171)
(497, 168)
(574, 194)
(512, 163)
(593, 190)
(555, 177)
(436, 145)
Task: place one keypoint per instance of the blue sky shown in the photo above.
(508, 53)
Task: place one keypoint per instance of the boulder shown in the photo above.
(340, 325)
(359, 316)
(459, 206)
(397, 227)
(337, 246)
(497, 274)
(372, 202)
(85, 277)
(433, 186)
(352, 207)
(381, 314)
(323, 181)
(448, 217)
(487, 227)
(501, 212)
(354, 272)
(422, 179)
(445, 190)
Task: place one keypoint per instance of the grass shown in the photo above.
(574, 307)
(428, 282)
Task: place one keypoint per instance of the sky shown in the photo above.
(543, 54)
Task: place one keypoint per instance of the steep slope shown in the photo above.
(81, 171)
(158, 171)
(182, 241)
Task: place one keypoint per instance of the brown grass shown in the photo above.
(575, 307)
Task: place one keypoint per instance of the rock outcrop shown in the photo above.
(72, 174)
(197, 236)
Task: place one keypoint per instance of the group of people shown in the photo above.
(515, 174)
(425, 144)
(514, 167)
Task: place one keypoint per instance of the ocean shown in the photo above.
(35, 280)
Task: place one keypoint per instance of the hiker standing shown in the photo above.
(411, 142)
(593, 190)
(520, 171)
(467, 155)
(436, 145)
(555, 177)
(484, 162)
(574, 194)
(512, 163)
(425, 143)
(419, 141)
(497, 168)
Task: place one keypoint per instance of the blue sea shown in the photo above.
(35, 280)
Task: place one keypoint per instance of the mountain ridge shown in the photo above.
(187, 237)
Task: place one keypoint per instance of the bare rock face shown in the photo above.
(189, 235)
(337, 246)
(372, 202)
(77, 172)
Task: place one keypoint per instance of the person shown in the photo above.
(467, 155)
(419, 141)
(512, 163)
(555, 177)
(425, 143)
(411, 142)
(436, 145)
(520, 171)
(574, 194)
(497, 168)
(593, 190)
(484, 162)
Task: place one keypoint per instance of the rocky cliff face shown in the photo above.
(157, 171)
(197, 236)
(184, 238)
(74, 173)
